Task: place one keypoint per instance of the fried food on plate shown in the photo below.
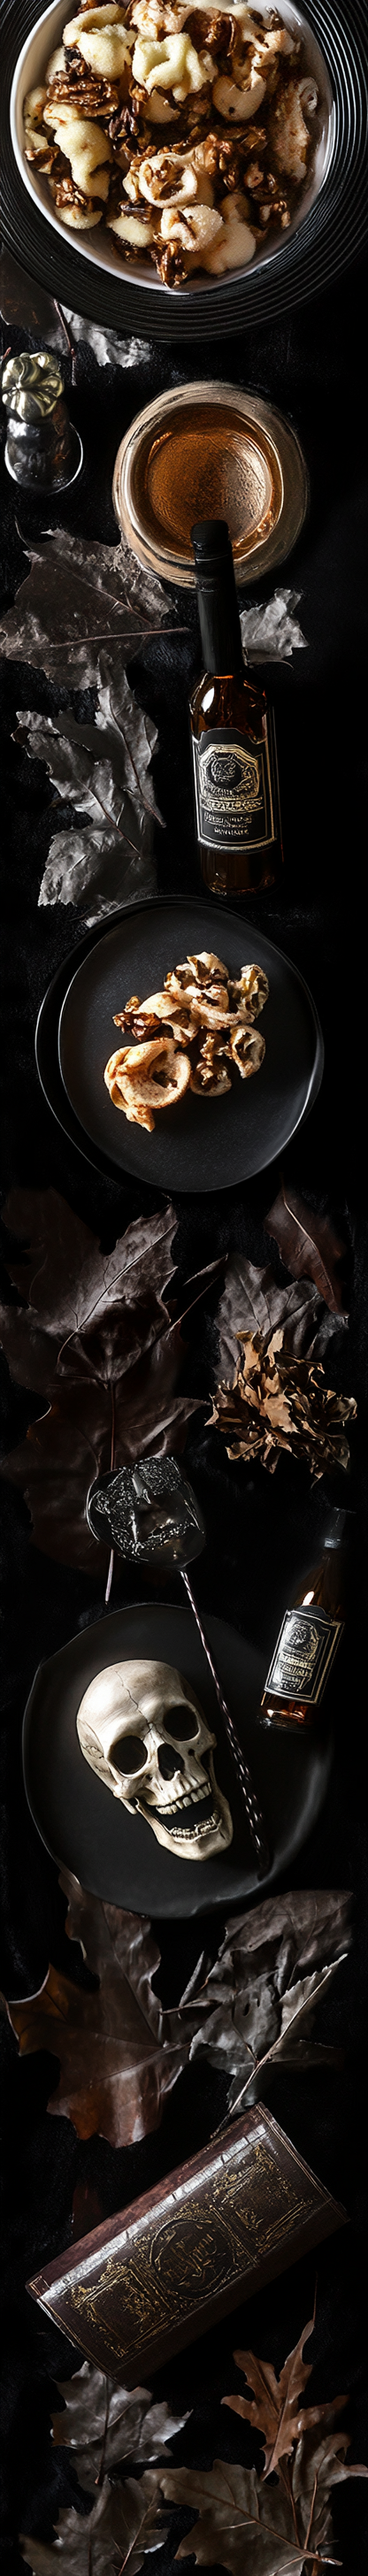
(188, 1036)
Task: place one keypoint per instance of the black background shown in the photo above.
(261, 1530)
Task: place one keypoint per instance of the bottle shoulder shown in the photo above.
(225, 698)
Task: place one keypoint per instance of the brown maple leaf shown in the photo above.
(241, 2524)
(103, 2423)
(119, 2053)
(257, 2530)
(97, 1338)
(122, 2526)
(274, 2408)
(309, 1245)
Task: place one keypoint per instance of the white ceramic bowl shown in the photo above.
(97, 246)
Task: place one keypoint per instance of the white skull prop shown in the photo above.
(143, 1731)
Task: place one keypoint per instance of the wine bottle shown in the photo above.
(236, 789)
(309, 1637)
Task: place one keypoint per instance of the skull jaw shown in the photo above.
(204, 1845)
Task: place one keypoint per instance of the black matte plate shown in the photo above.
(47, 1057)
(200, 1145)
(88, 1831)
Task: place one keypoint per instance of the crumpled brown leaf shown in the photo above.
(103, 2423)
(309, 1245)
(259, 1999)
(79, 597)
(120, 2530)
(279, 1403)
(119, 2053)
(98, 1340)
(274, 2409)
(252, 1301)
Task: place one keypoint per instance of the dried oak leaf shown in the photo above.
(103, 2423)
(77, 598)
(96, 1337)
(278, 1401)
(274, 2409)
(309, 1245)
(259, 1999)
(119, 2053)
(120, 2530)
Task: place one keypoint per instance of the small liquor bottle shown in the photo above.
(232, 737)
(309, 1637)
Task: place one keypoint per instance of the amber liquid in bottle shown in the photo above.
(310, 1635)
(236, 790)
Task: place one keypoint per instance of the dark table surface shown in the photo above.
(260, 1529)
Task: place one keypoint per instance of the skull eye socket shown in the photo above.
(129, 1754)
(182, 1723)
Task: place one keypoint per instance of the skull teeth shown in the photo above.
(194, 1799)
(185, 1835)
(197, 1829)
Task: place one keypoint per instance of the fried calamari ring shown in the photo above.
(250, 991)
(211, 1075)
(204, 968)
(247, 1048)
(143, 1078)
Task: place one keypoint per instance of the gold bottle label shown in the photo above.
(303, 1656)
(233, 791)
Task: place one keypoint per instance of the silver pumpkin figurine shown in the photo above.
(43, 450)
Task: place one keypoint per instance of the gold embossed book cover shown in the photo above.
(158, 2274)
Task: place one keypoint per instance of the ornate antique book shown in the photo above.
(162, 2271)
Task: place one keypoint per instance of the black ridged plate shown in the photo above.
(88, 1831)
(330, 236)
(202, 1144)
